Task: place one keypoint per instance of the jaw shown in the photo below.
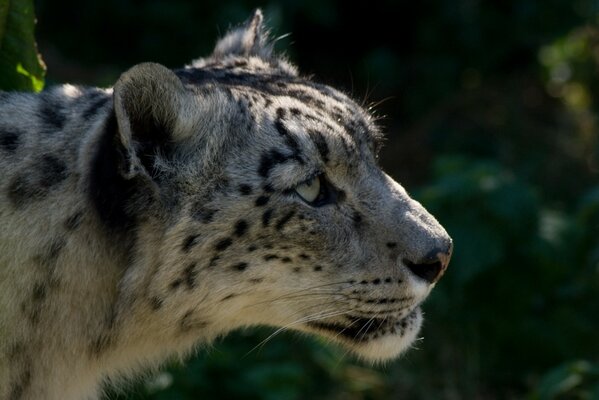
(375, 339)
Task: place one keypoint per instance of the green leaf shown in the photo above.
(566, 380)
(21, 67)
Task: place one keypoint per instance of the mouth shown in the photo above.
(376, 338)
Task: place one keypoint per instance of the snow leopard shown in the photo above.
(143, 220)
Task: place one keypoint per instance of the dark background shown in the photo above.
(490, 110)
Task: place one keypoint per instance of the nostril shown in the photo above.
(429, 271)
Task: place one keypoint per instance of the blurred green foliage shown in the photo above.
(21, 68)
(491, 112)
(573, 380)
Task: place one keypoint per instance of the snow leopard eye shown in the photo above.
(317, 191)
(309, 190)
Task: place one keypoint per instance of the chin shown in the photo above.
(373, 339)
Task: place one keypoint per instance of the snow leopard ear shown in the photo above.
(250, 39)
(153, 110)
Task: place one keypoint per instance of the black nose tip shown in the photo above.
(432, 267)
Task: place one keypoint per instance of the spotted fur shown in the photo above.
(141, 220)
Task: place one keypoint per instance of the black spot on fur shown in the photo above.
(95, 106)
(40, 291)
(283, 221)
(357, 218)
(391, 245)
(189, 242)
(262, 200)
(268, 188)
(318, 268)
(33, 312)
(304, 256)
(74, 221)
(16, 351)
(296, 269)
(156, 303)
(245, 189)
(223, 244)
(20, 191)
(105, 338)
(48, 257)
(286, 260)
(55, 248)
(188, 322)
(9, 141)
(241, 228)
(270, 257)
(35, 186)
(204, 215)
(189, 275)
(252, 248)
(228, 297)
(213, 261)
(22, 383)
(53, 171)
(240, 266)
(52, 114)
(100, 344)
(266, 217)
(176, 283)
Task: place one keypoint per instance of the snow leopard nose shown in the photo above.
(433, 265)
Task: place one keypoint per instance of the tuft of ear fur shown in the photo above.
(151, 105)
(250, 39)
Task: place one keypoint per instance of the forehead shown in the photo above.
(319, 111)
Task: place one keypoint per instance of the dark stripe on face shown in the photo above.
(269, 160)
(290, 140)
(321, 144)
(283, 221)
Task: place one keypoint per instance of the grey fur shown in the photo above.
(140, 221)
